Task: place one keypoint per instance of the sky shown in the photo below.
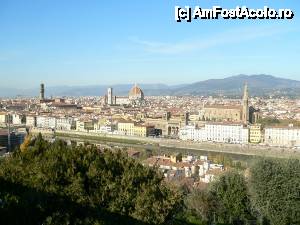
(88, 42)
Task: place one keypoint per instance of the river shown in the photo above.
(150, 149)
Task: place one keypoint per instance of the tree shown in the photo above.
(231, 195)
(275, 190)
(202, 204)
(26, 143)
(55, 183)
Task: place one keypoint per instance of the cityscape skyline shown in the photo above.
(149, 112)
(82, 44)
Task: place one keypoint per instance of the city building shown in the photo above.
(63, 107)
(235, 133)
(143, 130)
(46, 122)
(126, 128)
(133, 129)
(232, 113)
(169, 125)
(192, 133)
(42, 92)
(30, 120)
(110, 98)
(42, 95)
(5, 118)
(174, 167)
(288, 136)
(11, 141)
(227, 133)
(65, 123)
(135, 97)
(255, 133)
(85, 125)
(18, 119)
(105, 129)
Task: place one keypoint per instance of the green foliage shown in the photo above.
(59, 184)
(271, 196)
(232, 199)
(188, 218)
(52, 183)
(268, 121)
(275, 189)
(271, 121)
(201, 204)
(226, 201)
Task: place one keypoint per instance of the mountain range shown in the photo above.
(259, 85)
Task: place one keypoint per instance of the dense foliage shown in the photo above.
(269, 196)
(231, 194)
(52, 183)
(226, 201)
(275, 190)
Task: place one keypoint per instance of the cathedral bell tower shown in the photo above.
(245, 105)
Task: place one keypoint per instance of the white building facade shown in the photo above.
(17, 119)
(5, 118)
(227, 133)
(31, 121)
(46, 122)
(282, 136)
(192, 133)
(65, 123)
(105, 129)
(216, 132)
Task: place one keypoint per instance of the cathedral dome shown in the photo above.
(136, 93)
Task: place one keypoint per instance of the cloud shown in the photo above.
(222, 38)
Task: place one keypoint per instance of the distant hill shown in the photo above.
(262, 84)
(259, 85)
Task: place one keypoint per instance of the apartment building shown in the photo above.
(282, 136)
(31, 120)
(255, 133)
(47, 122)
(216, 132)
(132, 129)
(65, 123)
(227, 133)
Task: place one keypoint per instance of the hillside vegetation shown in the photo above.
(53, 183)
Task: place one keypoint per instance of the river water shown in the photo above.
(148, 150)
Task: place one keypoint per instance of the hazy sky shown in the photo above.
(80, 42)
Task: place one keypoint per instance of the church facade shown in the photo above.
(231, 113)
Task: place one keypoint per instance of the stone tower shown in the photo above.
(245, 105)
(42, 92)
(110, 96)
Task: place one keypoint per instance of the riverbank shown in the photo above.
(249, 150)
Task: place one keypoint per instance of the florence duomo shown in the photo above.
(135, 97)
